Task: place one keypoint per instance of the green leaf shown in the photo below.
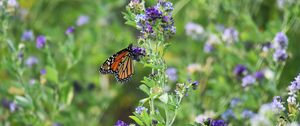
(145, 89)
(70, 96)
(146, 118)
(51, 74)
(148, 82)
(159, 117)
(164, 98)
(137, 120)
(23, 101)
(142, 101)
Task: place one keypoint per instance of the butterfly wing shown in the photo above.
(110, 66)
(125, 70)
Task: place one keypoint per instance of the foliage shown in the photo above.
(208, 62)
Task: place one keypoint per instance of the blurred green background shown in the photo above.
(98, 99)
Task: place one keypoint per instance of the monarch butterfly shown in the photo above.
(120, 64)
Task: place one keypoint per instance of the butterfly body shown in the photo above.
(121, 63)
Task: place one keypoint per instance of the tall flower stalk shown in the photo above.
(156, 25)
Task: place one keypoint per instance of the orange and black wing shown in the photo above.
(125, 70)
(111, 65)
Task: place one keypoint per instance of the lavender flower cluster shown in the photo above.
(247, 79)
(280, 44)
(158, 15)
(277, 104)
(293, 89)
(10, 105)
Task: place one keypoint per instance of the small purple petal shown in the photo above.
(248, 80)
(247, 114)
(27, 36)
(218, 123)
(172, 74)
(12, 107)
(240, 70)
(230, 35)
(228, 114)
(153, 13)
(70, 30)
(40, 41)
(280, 55)
(259, 75)
(43, 72)
(280, 41)
(208, 47)
(234, 102)
(57, 124)
(140, 109)
(120, 123)
(30, 61)
(82, 20)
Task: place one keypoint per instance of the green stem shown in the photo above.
(167, 114)
(152, 106)
(176, 110)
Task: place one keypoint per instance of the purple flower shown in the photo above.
(248, 80)
(228, 114)
(166, 19)
(173, 30)
(246, 114)
(172, 74)
(82, 20)
(167, 6)
(280, 55)
(43, 72)
(149, 28)
(230, 35)
(27, 36)
(153, 13)
(9, 105)
(40, 41)
(57, 124)
(137, 52)
(194, 30)
(12, 107)
(280, 41)
(208, 47)
(30, 61)
(277, 104)
(168, 25)
(266, 46)
(120, 123)
(140, 20)
(295, 85)
(293, 89)
(5, 103)
(139, 110)
(218, 123)
(234, 102)
(70, 30)
(259, 75)
(240, 70)
(195, 84)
